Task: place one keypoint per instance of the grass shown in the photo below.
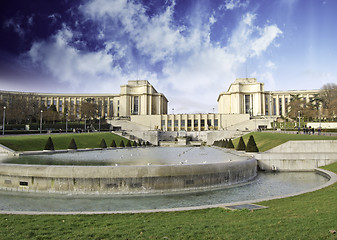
(61, 141)
(266, 141)
(308, 216)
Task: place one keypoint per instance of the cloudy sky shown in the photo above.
(190, 50)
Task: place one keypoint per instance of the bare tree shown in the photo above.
(89, 108)
(329, 99)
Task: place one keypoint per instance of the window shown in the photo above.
(182, 123)
(215, 122)
(202, 123)
(247, 103)
(189, 123)
(274, 106)
(163, 123)
(196, 123)
(175, 123)
(169, 123)
(209, 122)
(280, 106)
(286, 105)
(267, 105)
(135, 105)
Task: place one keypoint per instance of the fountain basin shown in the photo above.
(127, 179)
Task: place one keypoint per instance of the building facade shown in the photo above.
(138, 97)
(247, 96)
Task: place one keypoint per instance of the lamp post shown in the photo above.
(3, 121)
(85, 123)
(99, 123)
(66, 122)
(41, 122)
(173, 111)
(299, 119)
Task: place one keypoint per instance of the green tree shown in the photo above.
(103, 144)
(230, 144)
(49, 144)
(72, 144)
(251, 145)
(241, 145)
(113, 143)
(122, 144)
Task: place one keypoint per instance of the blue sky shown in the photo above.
(189, 50)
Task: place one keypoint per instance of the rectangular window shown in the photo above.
(111, 108)
(280, 106)
(286, 105)
(267, 106)
(247, 103)
(175, 123)
(163, 123)
(274, 106)
(209, 122)
(215, 122)
(48, 103)
(202, 123)
(169, 123)
(55, 102)
(135, 105)
(182, 123)
(60, 105)
(196, 123)
(189, 123)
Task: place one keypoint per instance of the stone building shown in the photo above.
(247, 96)
(138, 97)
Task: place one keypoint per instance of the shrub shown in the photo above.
(222, 143)
(251, 145)
(241, 146)
(49, 145)
(148, 143)
(139, 142)
(134, 144)
(122, 144)
(128, 144)
(72, 144)
(144, 143)
(113, 143)
(103, 144)
(230, 144)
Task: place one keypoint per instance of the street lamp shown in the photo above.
(173, 111)
(99, 123)
(3, 121)
(41, 122)
(85, 123)
(66, 122)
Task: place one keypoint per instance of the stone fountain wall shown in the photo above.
(124, 179)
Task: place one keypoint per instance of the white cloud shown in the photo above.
(192, 68)
(269, 33)
(12, 23)
(232, 4)
(271, 65)
(80, 69)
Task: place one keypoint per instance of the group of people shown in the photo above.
(309, 130)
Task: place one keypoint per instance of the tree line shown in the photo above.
(26, 109)
(322, 105)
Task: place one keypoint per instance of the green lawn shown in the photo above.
(308, 216)
(266, 141)
(61, 141)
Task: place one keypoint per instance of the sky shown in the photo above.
(190, 50)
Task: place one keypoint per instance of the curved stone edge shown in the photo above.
(332, 179)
